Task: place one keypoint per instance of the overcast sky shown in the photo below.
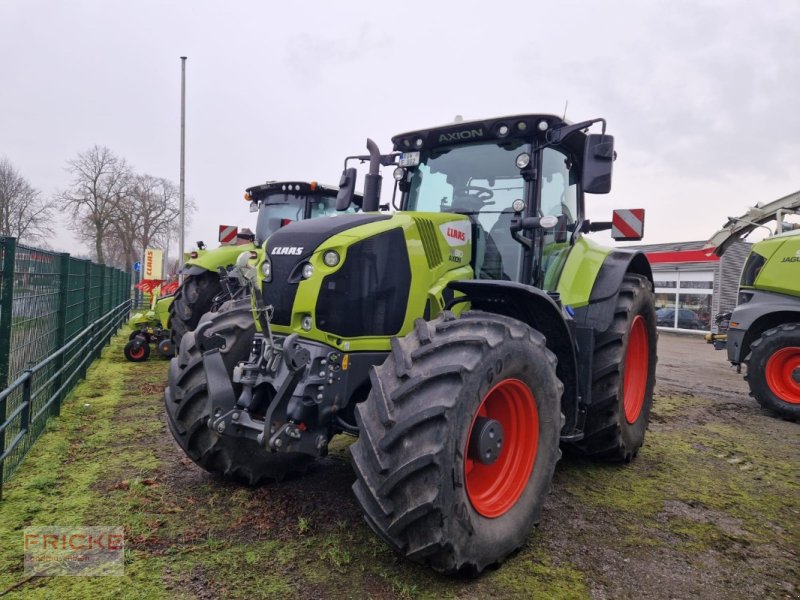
(703, 97)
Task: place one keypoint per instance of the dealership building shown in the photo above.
(692, 285)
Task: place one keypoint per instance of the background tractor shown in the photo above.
(150, 327)
(208, 282)
(763, 331)
(464, 339)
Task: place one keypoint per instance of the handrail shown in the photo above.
(84, 346)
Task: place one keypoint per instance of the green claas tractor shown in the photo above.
(764, 329)
(150, 327)
(208, 282)
(464, 339)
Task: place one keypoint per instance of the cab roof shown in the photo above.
(497, 128)
(258, 192)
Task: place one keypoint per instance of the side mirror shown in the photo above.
(598, 161)
(347, 189)
(627, 225)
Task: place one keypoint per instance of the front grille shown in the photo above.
(427, 231)
(279, 291)
(368, 295)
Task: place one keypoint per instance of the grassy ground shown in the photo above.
(709, 509)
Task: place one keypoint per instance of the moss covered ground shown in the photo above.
(709, 509)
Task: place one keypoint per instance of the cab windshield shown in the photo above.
(482, 181)
(281, 209)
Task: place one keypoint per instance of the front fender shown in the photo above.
(224, 256)
(534, 307)
(765, 310)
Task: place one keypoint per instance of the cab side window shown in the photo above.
(559, 185)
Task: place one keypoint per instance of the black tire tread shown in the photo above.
(397, 483)
(192, 300)
(186, 403)
(603, 437)
(759, 353)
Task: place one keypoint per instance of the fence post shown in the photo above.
(87, 285)
(9, 246)
(87, 297)
(101, 304)
(6, 302)
(61, 332)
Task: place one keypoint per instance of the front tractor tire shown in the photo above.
(459, 440)
(192, 300)
(623, 377)
(773, 370)
(187, 406)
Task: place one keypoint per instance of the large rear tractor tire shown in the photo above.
(773, 370)
(186, 402)
(623, 377)
(459, 440)
(192, 300)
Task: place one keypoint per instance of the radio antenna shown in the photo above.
(566, 103)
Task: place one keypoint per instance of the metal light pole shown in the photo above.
(183, 166)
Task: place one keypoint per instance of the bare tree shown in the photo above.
(24, 214)
(146, 216)
(100, 184)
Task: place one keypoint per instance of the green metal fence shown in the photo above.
(56, 314)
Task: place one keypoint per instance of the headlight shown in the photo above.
(266, 269)
(308, 270)
(399, 173)
(523, 160)
(307, 323)
(331, 258)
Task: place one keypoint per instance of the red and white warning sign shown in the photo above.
(227, 234)
(627, 224)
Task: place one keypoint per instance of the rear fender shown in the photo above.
(599, 313)
(534, 307)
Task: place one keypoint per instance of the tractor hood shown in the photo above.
(362, 275)
(299, 240)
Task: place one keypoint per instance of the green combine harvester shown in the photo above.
(464, 339)
(209, 280)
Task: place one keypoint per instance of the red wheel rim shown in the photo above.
(637, 360)
(783, 374)
(136, 352)
(493, 489)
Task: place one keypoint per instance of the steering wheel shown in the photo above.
(483, 194)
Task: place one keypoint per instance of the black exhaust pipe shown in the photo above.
(373, 179)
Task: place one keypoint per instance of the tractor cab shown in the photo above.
(520, 180)
(279, 203)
